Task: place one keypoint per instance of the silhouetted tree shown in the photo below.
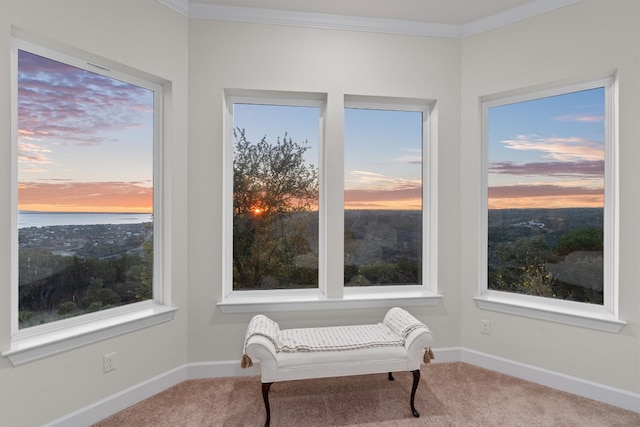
(272, 185)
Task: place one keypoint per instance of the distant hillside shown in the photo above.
(374, 236)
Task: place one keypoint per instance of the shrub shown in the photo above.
(581, 239)
(25, 315)
(379, 273)
(66, 308)
(95, 306)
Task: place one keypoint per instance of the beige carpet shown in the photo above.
(450, 394)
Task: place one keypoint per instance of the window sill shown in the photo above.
(305, 300)
(42, 341)
(566, 312)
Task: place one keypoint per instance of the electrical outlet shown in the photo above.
(485, 327)
(109, 362)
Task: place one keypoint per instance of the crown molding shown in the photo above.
(510, 16)
(216, 12)
(320, 20)
(180, 6)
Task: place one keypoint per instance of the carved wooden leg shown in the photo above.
(265, 397)
(416, 380)
(391, 377)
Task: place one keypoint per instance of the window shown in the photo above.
(314, 223)
(383, 197)
(275, 196)
(87, 196)
(550, 197)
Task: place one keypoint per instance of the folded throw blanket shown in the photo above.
(263, 326)
(338, 338)
(401, 322)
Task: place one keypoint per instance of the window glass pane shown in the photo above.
(275, 196)
(383, 197)
(546, 196)
(85, 191)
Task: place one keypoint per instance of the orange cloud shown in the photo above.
(550, 202)
(544, 196)
(402, 199)
(85, 197)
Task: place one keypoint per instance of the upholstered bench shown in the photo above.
(399, 343)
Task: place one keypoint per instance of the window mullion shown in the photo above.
(332, 202)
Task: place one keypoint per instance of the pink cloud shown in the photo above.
(75, 106)
(579, 168)
(593, 118)
(569, 149)
(32, 153)
(525, 191)
(359, 195)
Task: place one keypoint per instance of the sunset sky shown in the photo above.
(383, 159)
(548, 153)
(383, 163)
(85, 141)
(85, 144)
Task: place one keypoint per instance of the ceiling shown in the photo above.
(440, 18)
(456, 12)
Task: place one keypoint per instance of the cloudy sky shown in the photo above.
(85, 141)
(544, 153)
(548, 153)
(383, 163)
(85, 144)
(383, 159)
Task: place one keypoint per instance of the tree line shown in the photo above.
(53, 287)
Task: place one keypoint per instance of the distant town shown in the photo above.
(87, 241)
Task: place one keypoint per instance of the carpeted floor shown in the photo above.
(449, 394)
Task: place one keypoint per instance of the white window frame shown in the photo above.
(331, 292)
(601, 317)
(35, 342)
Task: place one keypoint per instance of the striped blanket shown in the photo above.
(338, 338)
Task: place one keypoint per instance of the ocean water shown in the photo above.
(46, 219)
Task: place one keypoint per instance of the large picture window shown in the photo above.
(87, 147)
(311, 222)
(550, 191)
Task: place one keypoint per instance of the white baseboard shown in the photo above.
(110, 405)
(132, 395)
(220, 369)
(589, 389)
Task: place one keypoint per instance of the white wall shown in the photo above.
(589, 39)
(246, 56)
(147, 36)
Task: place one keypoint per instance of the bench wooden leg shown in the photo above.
(416, 380)
(265, 397)
(414, 411)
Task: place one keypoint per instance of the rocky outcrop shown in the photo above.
(581, 268)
